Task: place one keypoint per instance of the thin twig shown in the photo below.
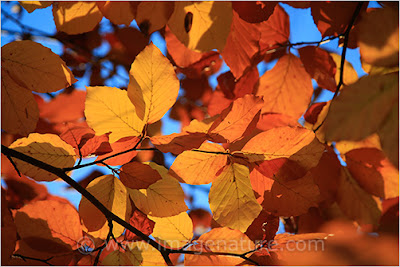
(24, 258)
(14, 165)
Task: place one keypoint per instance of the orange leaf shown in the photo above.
(220, 240)
(196, 167)
(140, 221)
(208, 64)
(121, 145)
(182, 56)
(19, 110)
(136, 175)
(31, 6)
(72, 105)
(49, 225)
(241, 45)
(275, 30)
(287, 88)
(35, 67)
(264, 227)
(297, 144)
(285, 197)
(233, 122)
(118, 12)
(320, 65)
(177, 143)
(76, 17)
(373, 171)
(153, 16)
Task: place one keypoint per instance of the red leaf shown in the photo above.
(275, 30)
(320, 65)
(254, 12)
(311, 115)
(140, 221)
(121, 145)
(136, 175)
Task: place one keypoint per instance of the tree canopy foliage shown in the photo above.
(272, 152)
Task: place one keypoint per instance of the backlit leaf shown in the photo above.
(174, 231)
(118, 147)
(202, 26)
(76, 17)
(196, 167)
(275, 30)
(31, 6)
(177, 143)
(153, 86)
(48, 148)
(35, 67)
(19, 110)
(285, 197)
(152, 16)
(254, 11)
(140, 221)
(357, 204)
(108, 109)
(137, 254)
(164, 198)
(373, 172)
(349, 73)
(389, 134)
(233, 122)
(118, 12)
(232, 199)
(111, 193)
(8, 230)
(287, 88)
(136, 175)
(241, 45)
(379, 42)
(220, 240)
(353, 114)
(320, 65)
(49, 225)
(297, 144)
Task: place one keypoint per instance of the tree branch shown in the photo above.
(24, 258)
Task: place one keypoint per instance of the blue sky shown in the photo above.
(302, 28)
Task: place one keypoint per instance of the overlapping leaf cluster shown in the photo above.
(244, 137)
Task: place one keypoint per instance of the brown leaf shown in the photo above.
(320, 65)
(176, 143)
(137, 175)
(254, 12)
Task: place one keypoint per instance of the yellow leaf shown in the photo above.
(35, 67)
(136, 254)
(378, 37)
(233, 122)
(153, 86)
(357, 204)
(232, 199)
(195, 167)
(298, 144)
(361, 107)
(349, 73)
(220, 240)
(202, 26)
(203, 126)
(371, 141)
(152, 16)
(110, 191)
(287, 88)
(76, 17)
(164, 198)
(31, 6)
(48, 148)
(108, 109)
(118, 12)
(19, 110)
(175, 231)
